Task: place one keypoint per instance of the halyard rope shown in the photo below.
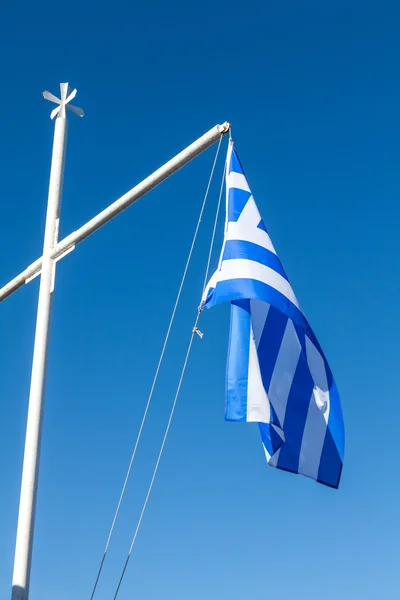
(178, 389)
(152, 391)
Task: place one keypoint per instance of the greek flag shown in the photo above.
(277, 374)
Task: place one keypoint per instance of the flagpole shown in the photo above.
(45, 266)
(30, 471)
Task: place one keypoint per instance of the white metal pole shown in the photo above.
(26, 517)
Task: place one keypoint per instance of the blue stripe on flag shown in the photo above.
(330, 463)
(270, 438)
(261, 225)
(270, 343)
(237, 200)
(335, 422)
(251, 251)
(235, 163)
(333, 450)
(238, 289)
(238, 362)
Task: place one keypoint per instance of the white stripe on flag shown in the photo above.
(259, 312)
(236, 231)
(267, 455)
(246, 227)
(237, 180)
(282, 376)
(242, 268)
(258, 410)
(285, 368)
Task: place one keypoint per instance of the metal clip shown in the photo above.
(199, 333)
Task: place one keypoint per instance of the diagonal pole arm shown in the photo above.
(69, 243)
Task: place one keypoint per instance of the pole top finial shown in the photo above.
(63, 102)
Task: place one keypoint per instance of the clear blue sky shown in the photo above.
(312, 89)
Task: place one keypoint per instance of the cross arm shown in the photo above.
(67, 244)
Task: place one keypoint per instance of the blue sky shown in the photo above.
(312, 92)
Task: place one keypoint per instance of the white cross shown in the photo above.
(66, 98)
